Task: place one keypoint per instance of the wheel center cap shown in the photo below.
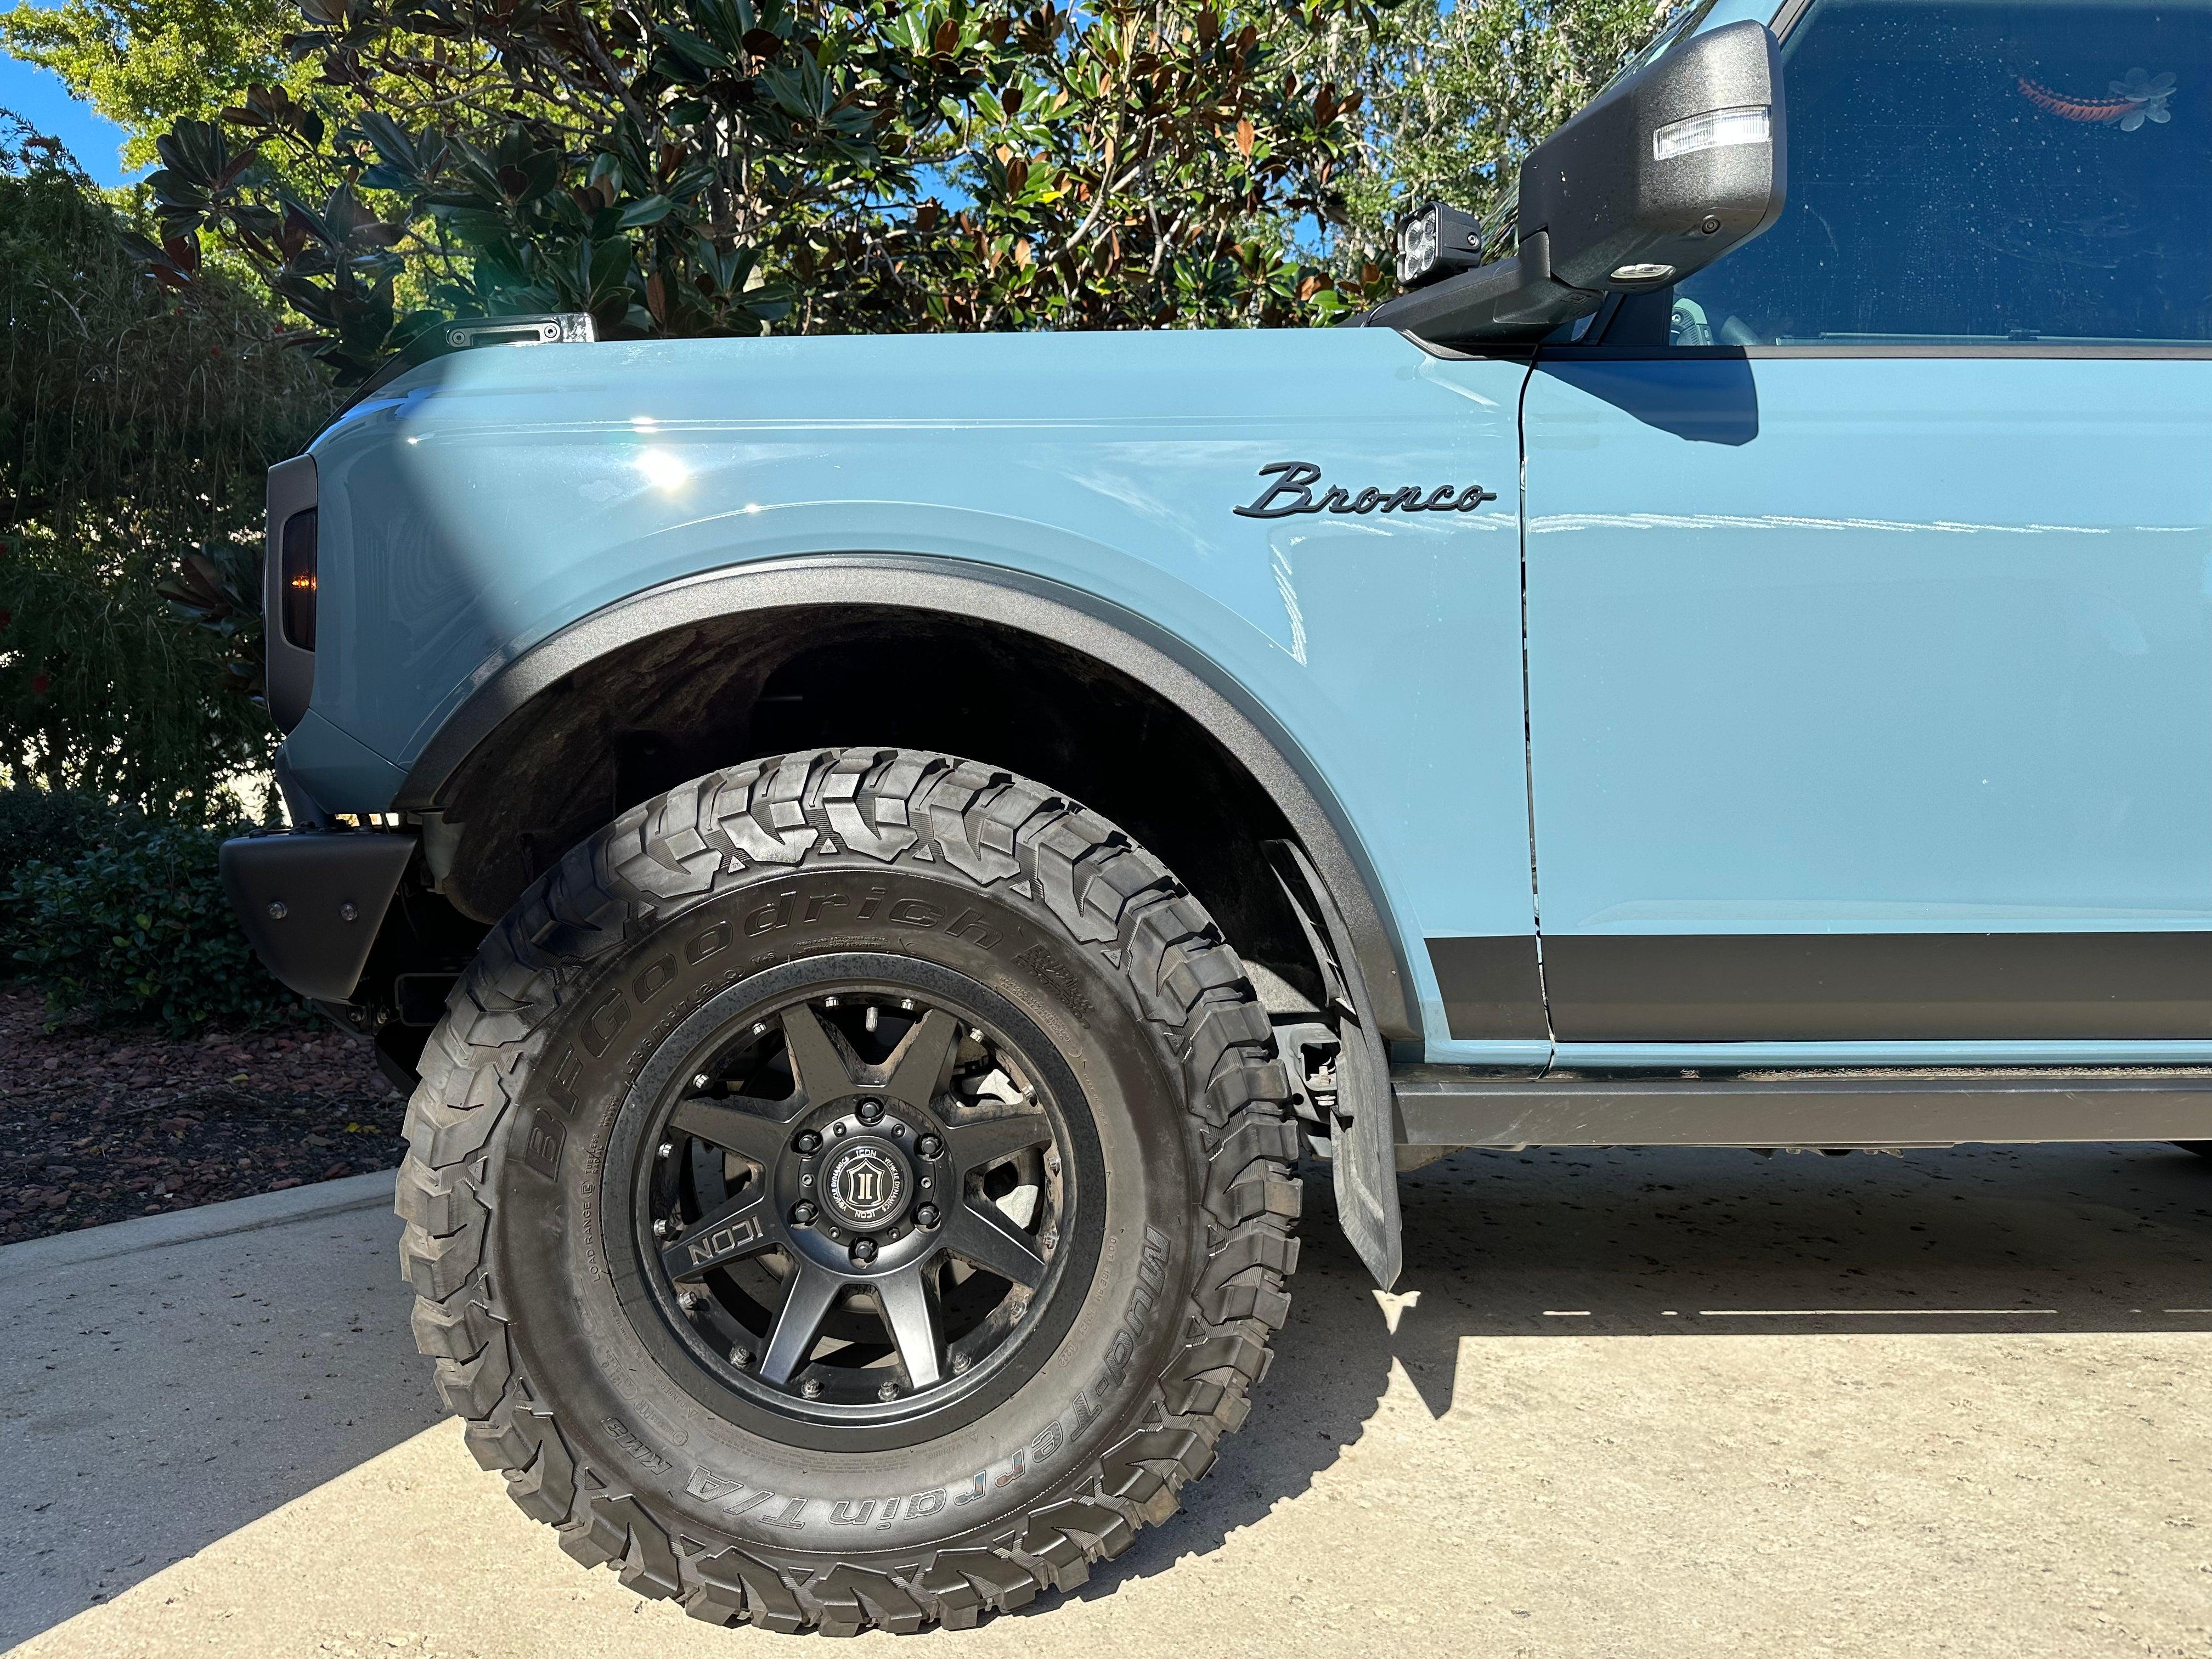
(866, 1184)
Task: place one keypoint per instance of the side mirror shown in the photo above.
(1680, 160)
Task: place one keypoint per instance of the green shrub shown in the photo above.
(133, 927)
(49, 826)
(55, 825)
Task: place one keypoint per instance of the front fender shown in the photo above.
(492, 502)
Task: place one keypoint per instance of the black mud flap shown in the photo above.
(1366, 1154)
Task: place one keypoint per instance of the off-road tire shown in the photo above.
(482, 1134)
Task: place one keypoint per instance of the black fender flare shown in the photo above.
(1112, 635)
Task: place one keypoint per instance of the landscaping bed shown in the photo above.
(98, 1125)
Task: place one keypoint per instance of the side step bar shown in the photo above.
(1451, 1106)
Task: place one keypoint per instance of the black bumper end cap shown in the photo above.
(311, 902)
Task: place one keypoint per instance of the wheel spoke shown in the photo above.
(986, 1140)
(821, 1065)
(806, 1303)
(980, 1234)
(736, 1230)
(749, 1128)
(920, 1067)
(910, 1312)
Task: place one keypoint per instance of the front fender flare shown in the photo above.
(1080, 622)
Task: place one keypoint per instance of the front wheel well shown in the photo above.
(673, 706)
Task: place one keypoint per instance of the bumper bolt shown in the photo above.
(864, 1251)
(870, 1111)
(929, 1146)
(802, 1214)
(926, 1215)
(808, 1143)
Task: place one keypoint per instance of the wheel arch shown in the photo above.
(697, 655)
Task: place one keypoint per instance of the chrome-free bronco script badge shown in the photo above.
(1292, 493)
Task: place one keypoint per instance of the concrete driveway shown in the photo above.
(1665, 1403)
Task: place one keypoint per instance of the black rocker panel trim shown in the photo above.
(1854, 987)
(1492, 987)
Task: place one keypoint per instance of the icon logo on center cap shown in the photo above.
(866, 1184)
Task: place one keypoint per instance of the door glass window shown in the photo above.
(1980, 174)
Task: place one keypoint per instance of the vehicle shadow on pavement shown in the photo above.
(1624, 1242)
(156, 1396)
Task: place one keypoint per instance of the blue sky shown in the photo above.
(44, 102)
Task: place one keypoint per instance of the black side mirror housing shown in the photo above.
(1666, 170)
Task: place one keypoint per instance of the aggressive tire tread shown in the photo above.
(886, 805)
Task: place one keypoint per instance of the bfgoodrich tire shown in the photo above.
(852, 1189)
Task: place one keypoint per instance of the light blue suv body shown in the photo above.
(1757, 677)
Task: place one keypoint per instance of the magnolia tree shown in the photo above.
(695, 166)
(718, 167)
(1456, 94)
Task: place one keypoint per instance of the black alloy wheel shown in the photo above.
(852, 1208)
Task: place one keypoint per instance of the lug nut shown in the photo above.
(872, 1111)
(802, 1214)
(811, 1389)
(889, 1391)
(864, 1251)
(929, 1146)
(808, 1143)
(926, 1215)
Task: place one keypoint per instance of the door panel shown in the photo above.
(1870, 698)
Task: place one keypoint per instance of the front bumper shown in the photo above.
(312, 902)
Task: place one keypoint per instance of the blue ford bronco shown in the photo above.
(880, 858)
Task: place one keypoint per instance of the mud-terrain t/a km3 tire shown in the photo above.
(854, 1188)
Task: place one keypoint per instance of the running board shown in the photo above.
(1451, 1106)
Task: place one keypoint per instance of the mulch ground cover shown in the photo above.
(102, 1126)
